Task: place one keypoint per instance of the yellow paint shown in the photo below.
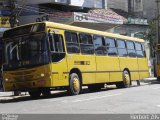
(28, 78)
(158, 70)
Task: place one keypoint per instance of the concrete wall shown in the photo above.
(149, 9)
(118, 4)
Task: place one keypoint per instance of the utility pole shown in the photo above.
(156, 58)
(158, 22)
(13, 18)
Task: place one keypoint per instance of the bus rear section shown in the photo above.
(157, 63)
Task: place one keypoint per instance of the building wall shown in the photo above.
(135, 5)
(80, 3)
(118, 4)
(141, 8)
(150, 9)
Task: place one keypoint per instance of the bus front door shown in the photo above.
(58, 58)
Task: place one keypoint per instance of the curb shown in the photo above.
(8, 99)
(153, 78)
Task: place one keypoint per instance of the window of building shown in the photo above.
(131, 49)
(72, 42)
(111, 46)
(99, 45)
(86, 43)
(122, 51)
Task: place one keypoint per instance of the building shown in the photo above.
(4, 16)
(70, 3)
(150, 9)
(140, 8)
(132, 10)
(84, 13)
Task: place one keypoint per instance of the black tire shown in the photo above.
(120, 85)
(35, 93)
(17, 93)
(158, 78)
(74, 84)
(138, 83)
(126, 83)
(95, 88)
(46, 92)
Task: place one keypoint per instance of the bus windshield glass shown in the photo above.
(26, 51)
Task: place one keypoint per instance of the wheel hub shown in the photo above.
(76, 84)
(127, 79)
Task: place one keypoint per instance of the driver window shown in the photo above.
(56, 47)
(56, 43)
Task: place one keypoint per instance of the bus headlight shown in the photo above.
(42, 74)
(6, 79)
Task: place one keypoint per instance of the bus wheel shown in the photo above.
(46, 91)
(35, 93)
(74, 84)
(126, 80)
(158, 78)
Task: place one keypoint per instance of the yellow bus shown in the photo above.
(157, 63)
(44, 56)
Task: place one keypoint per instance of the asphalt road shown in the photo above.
(134, 100)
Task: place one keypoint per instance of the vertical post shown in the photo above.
(158, 18)
(133, 6)
(156, 59)
(104, 4)
(129, 7)
(13, 18)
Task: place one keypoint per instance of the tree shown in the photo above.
(151, 36)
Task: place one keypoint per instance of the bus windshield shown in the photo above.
(26, 51)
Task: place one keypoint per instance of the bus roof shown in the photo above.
(91, 31)
(85, 30)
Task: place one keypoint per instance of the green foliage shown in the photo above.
(151, 35)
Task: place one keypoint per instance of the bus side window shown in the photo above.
(51, 42)
(86, 44)
(111, 46)
(139, 50)
(143, 48)
(131, 49)
(72, 42)
(122, 51)
(99, 46)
